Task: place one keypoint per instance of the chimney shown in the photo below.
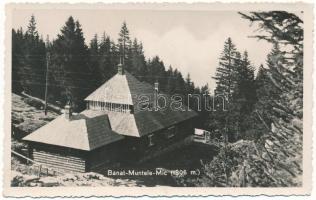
(68, 112)
(120, 69)
(157, 86)
(156, 94)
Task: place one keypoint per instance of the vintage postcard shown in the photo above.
(158, 99)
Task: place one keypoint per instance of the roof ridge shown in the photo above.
(99, 87)
(112, 91)
(87, 133)
(82, 133)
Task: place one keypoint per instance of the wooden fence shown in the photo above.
(208, 140)
(36, 168)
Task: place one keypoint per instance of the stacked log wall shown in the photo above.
(61, 158)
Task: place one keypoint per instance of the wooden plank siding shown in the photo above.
(60, 162)
(67, 159)
(61, 158)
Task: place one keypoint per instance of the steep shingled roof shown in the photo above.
(151, 121)
(92, 129)
(83, 131)
(121, 123)
(142, 122)
(125, 89)
(121, 89)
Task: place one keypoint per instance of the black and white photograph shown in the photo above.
(158, 97)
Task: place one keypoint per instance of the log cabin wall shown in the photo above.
(61, 158)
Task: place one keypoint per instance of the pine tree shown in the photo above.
(138, 63)
(226, 71)
(94, 47)
(189, 85)
(246, 83)
(156, 71)
(32, 60)
(266, 91)
(227, 86)
(275, 158)
(180, 83)
(70, 65)
(94, 54)
(244, 97)
(17, 43)
(170, 81)
(107, 59)
(124, 43)
(31, 28)
(115, 53)
(75, 69)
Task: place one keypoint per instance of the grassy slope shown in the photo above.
(27, 115)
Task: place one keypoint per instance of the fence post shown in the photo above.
(39, 171)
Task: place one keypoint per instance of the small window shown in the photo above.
(171, 131)
(151, 140)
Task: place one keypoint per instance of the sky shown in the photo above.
(188, 40)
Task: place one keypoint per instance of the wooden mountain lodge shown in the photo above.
(112, 128)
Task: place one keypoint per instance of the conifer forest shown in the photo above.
(260, 131)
